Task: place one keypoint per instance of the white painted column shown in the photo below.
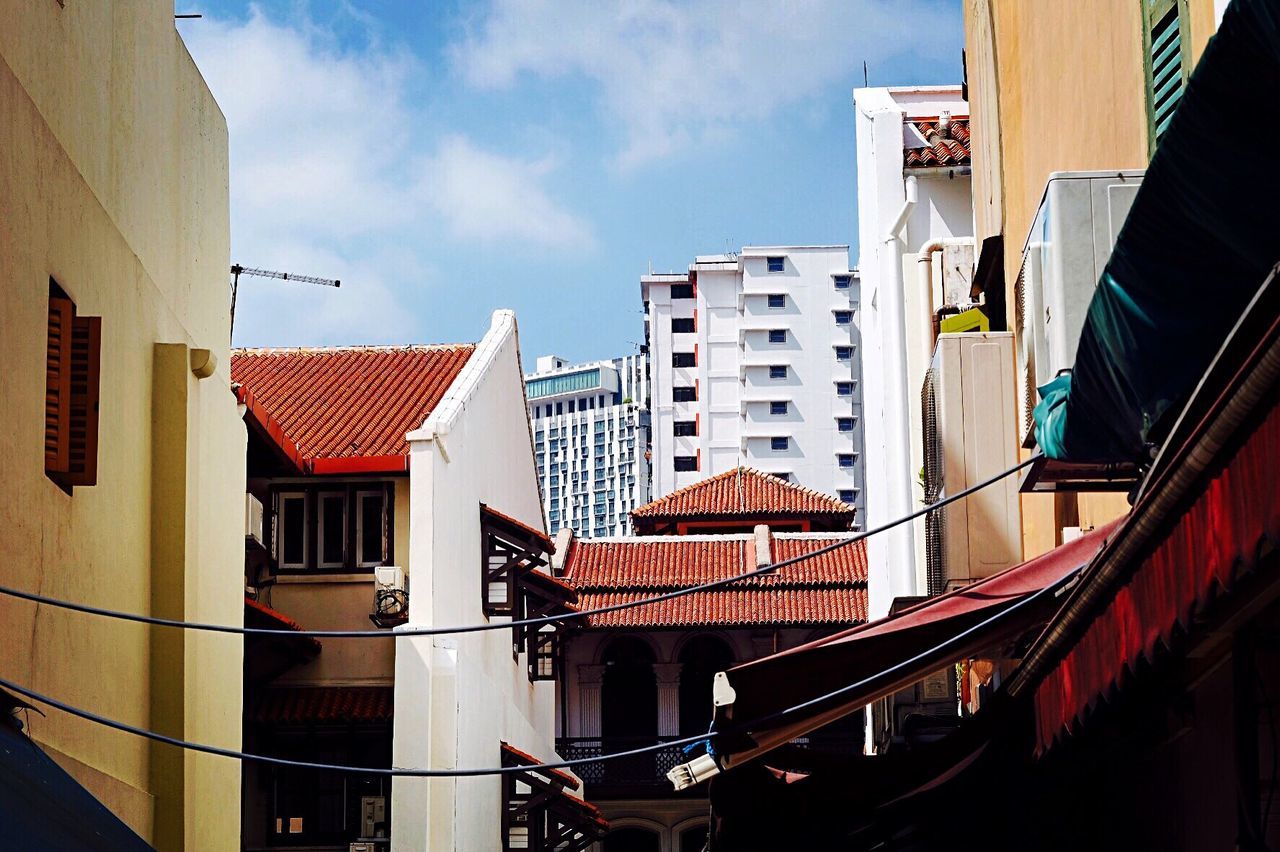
(668, 675)
(590, 678)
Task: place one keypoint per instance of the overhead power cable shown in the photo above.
(525, 622)
(469, 772)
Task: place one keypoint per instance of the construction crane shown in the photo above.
(237, 270)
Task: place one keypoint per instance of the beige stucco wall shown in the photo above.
(114, 182)
(1054, 87)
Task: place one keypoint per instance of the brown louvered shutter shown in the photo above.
(86, 348)
(57, 392)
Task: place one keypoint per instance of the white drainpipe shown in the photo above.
(924, 263)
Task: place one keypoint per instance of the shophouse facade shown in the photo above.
(400, 490)
(644, 674)
(122, 452)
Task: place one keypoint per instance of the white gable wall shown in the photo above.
(458, 697)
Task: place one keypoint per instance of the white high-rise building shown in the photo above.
(591, 439)
(755, 362)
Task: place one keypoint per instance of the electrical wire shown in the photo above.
(471, 772)
(526, 622)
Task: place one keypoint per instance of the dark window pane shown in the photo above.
(334, 521)
(777, 300)
(293, 529)
(777, 264)
(684, 428)
(686, 463)
(683, 359)
(682, 291)
(682, 325)
(371, 528)
(684, 394)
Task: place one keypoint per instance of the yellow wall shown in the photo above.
(1054, 87)
(114, 182)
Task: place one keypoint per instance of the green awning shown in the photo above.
(1201, 237)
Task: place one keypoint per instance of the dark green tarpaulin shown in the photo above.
(1202, 235)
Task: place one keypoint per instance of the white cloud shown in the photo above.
(672, 73)
(487, 197)
(334, 170)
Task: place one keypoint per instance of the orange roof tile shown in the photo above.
(310, 705)
(512, 756)
(521, 526)
(347, 409)
(827, 589)
(743, 492)
(949, 148)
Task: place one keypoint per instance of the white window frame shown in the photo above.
(321, 496)
(786, 443)
(782, 342)
(771, 307)
(768, 264)
(281, 497)
(361, 495)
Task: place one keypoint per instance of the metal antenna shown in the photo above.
(237, 270)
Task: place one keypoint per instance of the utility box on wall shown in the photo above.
(970, 435)
(1067, 248)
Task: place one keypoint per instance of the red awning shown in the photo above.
(866, 653)
(1216, 541)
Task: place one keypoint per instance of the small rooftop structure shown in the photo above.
(739, 499)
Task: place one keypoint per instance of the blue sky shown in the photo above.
(447, 159)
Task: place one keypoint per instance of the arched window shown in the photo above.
(632, 839)
(693, 839)
(700, 658)
(629, 693)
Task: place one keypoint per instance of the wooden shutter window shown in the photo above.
(57, 391)
(72, 372)
(86, 349)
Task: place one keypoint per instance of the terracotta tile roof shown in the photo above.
(512, 756)
(948, 148)
(347, 409)
(520, 526)
(828, 589)
(743, 492)
(272, 619)
(321, 705)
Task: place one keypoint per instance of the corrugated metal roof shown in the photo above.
(349, 403)
(743, 491)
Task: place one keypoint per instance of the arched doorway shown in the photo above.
(700, 659)
(629, 693)
(632, 839)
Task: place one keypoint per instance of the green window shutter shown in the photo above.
(1166, 62)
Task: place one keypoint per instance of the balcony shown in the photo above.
(642, 775)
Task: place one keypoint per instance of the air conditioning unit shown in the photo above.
(390, 595)
(253, 521)
(1069, 243)
(970, 435)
